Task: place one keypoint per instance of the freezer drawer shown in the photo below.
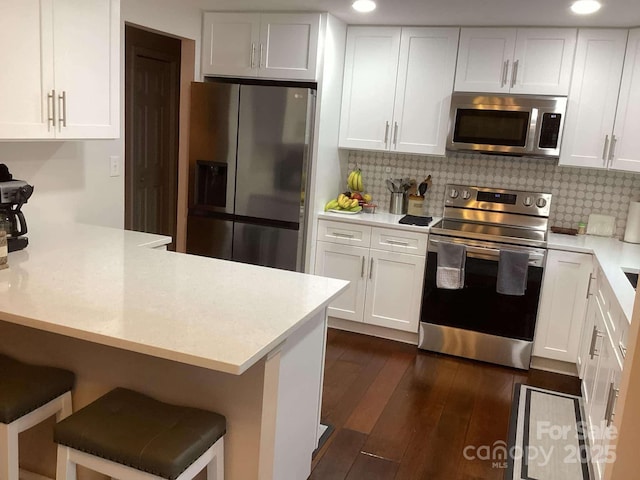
(209, 237)
(266, 246)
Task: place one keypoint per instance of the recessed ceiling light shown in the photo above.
(364, 6)
(585, 7)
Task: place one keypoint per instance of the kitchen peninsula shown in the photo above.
(247, 342)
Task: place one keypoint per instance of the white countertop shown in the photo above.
(378, 219)
(96, 284)
(613, 256)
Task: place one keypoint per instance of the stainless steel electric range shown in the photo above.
(476, 321)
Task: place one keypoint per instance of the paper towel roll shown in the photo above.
(632, 231)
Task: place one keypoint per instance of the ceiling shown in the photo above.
(624, 13)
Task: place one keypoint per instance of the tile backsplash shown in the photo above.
(577, 192)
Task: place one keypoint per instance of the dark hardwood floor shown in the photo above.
(405, 414)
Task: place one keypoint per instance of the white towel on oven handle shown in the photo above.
(450, 278)
(451, 262)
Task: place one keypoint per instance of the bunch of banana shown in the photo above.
(354, 181)
(343, 203)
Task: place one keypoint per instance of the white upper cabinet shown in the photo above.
(230, 43)
(397, 88)
(371, 66)
(64, 79)
(289, 44)
(27, 71)
(625, 151)
(591, 106)
(87, 68)
(426, 71)
(603, 113)
(484, 59)
(279, 46)
(525, 60)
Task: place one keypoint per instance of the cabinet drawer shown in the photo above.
(344, 233)
(399, 241)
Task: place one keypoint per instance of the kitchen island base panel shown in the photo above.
(272, 409)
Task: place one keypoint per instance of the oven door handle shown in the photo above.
(494, 253)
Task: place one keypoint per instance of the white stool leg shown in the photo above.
(8, 451)
(66, 408)
(65, 469)
(215, 469)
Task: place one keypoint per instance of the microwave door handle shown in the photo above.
(533, 130)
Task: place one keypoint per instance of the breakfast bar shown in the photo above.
(247, 342)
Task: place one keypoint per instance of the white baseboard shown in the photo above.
(374, 330)
(554, 366)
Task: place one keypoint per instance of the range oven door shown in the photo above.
(475, 318)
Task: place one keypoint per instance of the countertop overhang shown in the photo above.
(97, 284)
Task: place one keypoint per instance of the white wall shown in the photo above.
(71, 179)
(326, 174)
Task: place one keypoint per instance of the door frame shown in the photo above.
(187, 75)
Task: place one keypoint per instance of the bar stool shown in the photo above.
(29, 394)
(128, 435)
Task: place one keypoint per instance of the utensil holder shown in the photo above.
(398, 204)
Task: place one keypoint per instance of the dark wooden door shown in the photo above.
(152, 95)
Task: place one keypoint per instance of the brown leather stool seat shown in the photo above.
(132, 429)
(25, 387)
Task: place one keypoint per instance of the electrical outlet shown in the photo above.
(114, 166)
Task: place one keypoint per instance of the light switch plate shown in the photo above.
(114, 166)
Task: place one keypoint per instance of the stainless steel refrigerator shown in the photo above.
(249, 157)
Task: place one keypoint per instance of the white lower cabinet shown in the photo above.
(345, 262)
(386, 282)
(563, 304)
(601, 372)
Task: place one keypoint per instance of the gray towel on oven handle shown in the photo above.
(512, 273)
(451, 262)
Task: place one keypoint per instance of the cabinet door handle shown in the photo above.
(395, 134)
(623, 350)
(370, 269)
(343, 235)
(514, 73)
(51, 110)
(612, 396)
(362, 268)
(62, 105)
(386, 134)
(589, 286)
(604, 149)
(261, 53)
(505, 70)
(612, 150)
(397, 242)
(253, 55)
(594, 338)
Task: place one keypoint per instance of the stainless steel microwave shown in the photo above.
(507, 124)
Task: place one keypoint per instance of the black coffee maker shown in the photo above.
(13, 194)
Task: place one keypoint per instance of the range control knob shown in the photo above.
(527, 202)
(466, 194)
(453, 193)
(541, 203)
